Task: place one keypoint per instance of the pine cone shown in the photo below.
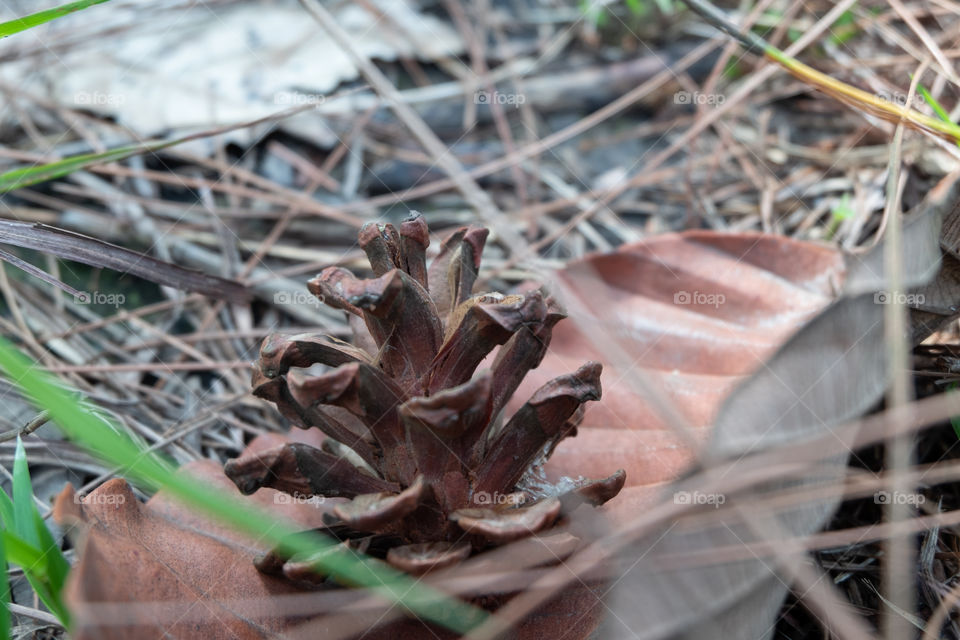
(416, 439)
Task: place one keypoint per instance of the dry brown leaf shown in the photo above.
(162, 566)
(747, 293)
(831, 370)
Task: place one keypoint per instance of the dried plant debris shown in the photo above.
(248, 73)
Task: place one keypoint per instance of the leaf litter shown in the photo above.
(171, 366)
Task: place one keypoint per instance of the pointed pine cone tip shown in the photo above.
(298, 468)
(414, 240)
(262, 385)
(370, 512)
(514, 311)
(329, 284)
(415, 227)
(597, 492)
(443, 412)
(369, 232)
(475, 328)
(476, 237)
(418, 559)
(279, 352)
(381, 243)
(249, 472)
(308, 390)
(277, 468)
(271, 346)
(584, 383)
(500, 526)
(375, 295)
(270, 563)
(304, 569)
(555, 312)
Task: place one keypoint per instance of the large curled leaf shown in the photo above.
(830, 370)
(691, 315)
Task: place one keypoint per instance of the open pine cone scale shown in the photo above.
(416, 440)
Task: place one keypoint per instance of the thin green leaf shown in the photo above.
(4, 591)
(6, 509)
(23, 507)
(27, 176)
(935, 105)
(35, 19)
(22, 554)
(840, 212)
(48, 573)
(50, 598)
(34, 564)
(117, 448)
(56, 564)
(831, 86)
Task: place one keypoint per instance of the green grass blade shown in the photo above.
(35, 564)
(935, 105)
(56, 564)
(48, 573)
(4, 591)
(6, 509)
(36, 19)
(23, 507)
(27, 176)
(843, 210)
(48, 597)
(842, 91)
(21, 553)
(116, 447)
